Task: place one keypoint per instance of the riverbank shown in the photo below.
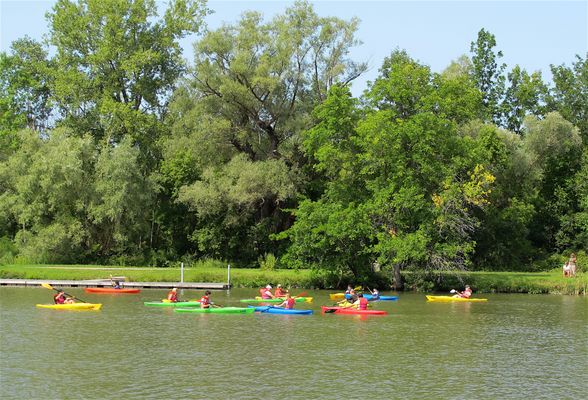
(483, 282)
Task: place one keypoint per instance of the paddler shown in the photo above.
(266, 292)
(361, 303)
(289, 302)
(350, 290)
(466, 294)
(61, 298)
(205, 300)
(279, 292)
(375, 295)
(172, 296)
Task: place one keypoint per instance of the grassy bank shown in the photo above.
(482, 282)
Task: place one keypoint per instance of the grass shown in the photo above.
(482, 282)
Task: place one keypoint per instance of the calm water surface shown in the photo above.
(513, 347)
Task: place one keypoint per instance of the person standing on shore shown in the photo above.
(572, 264)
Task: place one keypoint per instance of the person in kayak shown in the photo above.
(172, 296)
(205, 300)
(279, 292)
(115, 283)
(350, 290)
(466, 294)
(375, 295)
(61, 298)
(266, 292)
(288, 303)
(361, 303)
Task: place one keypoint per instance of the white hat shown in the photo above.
(268, 287)
(279, 285)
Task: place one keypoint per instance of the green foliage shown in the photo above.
(570, 95)
(487, 74)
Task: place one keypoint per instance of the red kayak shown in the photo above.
(110, 290)
(342, 310)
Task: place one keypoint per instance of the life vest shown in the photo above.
(363, 303)
(172, 296)
(466, 293)
(59, 298)
(265, 293)
(204, 302)
(279, 292)
(290, 303)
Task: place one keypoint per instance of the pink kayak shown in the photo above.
(342, 310)
(110, 290)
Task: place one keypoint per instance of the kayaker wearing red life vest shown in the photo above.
(61, 298)
(361, 302)
(466, 294)
(288, 302)
(173, 295)
(205, 300)
(266, 292)
(279, 292)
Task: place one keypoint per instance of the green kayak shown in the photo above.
(217, 310)
(170, 304)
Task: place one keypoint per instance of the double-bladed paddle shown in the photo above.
(48, 286)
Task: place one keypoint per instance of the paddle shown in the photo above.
(48, 286)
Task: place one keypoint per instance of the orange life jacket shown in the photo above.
(363, 303)
(172, 296)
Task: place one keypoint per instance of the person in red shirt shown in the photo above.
(289, 302)
(266, 292)
(173, 295)
(279, 292)
(205, 300)
(61, 298)
(361, 303)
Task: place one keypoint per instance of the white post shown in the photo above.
(182, 272)
(229, 275)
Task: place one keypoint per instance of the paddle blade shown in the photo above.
(47, 286)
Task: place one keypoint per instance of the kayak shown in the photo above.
(279, 310)
(278, 300)
(355, 311)
(73, 306)
(450, 298)
(371, 298)
(110, 290)
(217, 310)
(172, 304)
(337, 296)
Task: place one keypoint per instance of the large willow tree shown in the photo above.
(234, 156)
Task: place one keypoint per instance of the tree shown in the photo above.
(488, 74)
(25, 81)
(569, 96)
(525, 95)
(116, 65)
(253, 88)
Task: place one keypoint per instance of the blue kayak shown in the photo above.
(371, 298)
(279, 310)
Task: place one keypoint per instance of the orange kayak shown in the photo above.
(110, 290)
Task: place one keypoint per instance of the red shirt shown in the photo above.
(205, 301)
(290, 303)
(172, 296)
(363, 303)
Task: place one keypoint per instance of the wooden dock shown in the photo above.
(107, 283)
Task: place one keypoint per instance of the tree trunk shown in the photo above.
(398, 283)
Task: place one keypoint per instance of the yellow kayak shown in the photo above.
(74, 306)
(451, 299)
(337, 296)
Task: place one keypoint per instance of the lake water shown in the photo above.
(512, 347)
